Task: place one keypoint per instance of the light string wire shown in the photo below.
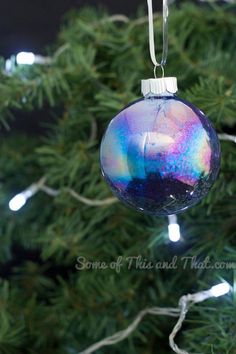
(165, 13)
(185, 303)
(42, 186)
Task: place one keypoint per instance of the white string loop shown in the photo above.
(152, 38)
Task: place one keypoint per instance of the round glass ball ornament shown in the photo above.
(160, 154)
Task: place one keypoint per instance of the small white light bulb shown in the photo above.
(17, 202)
(220, 289)
(174, 232)
(25, 58)
(8, 65)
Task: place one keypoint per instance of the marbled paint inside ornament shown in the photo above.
(160, 155)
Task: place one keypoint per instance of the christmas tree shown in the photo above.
(76, 264)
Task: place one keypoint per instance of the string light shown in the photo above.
(25, 58)
(9, 64)
(220, 289)
(17, 202)
(29, 58)
(173, 228)
(20, 199)
(185, 303)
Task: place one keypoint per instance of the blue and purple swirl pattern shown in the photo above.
(160, 155)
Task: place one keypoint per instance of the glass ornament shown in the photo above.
(160, 155)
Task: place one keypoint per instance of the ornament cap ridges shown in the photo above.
(159, 86)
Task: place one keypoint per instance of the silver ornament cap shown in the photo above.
(159, 86)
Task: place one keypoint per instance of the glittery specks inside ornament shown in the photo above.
(160, 155)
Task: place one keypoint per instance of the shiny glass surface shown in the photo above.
(160, 155)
